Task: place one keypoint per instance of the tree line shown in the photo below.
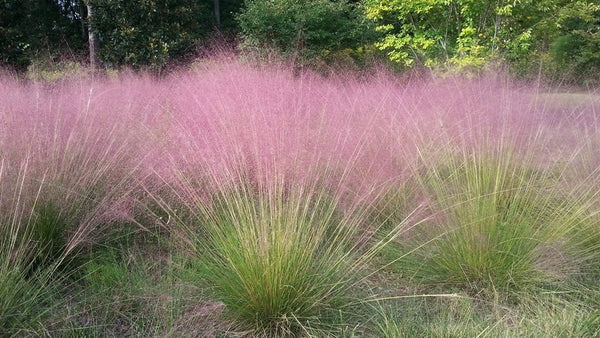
(134, 33)
(560, 38)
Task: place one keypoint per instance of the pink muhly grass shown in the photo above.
(270, 144)
(269, 167)
(18, 297)
(85, 145)
(88, 139)
(369, 132)
(503, 183)
(270, 117)
(259, 136)
(377, 126)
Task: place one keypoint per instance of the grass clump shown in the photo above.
(24, 284)
(497, 223)
(281, 259)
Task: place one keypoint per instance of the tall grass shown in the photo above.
(69, 168)
(505, 198)
(18, 294)
(261, 160)
(278, 260)
(503, 224)
(273, 193)
(269, 194)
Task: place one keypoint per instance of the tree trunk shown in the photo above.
(218, 13)
(82, 15)
(92, 38)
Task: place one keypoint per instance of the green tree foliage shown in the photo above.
(137, 33)
(559, 37)
(141, 33)
(576, 50)
(303, 29)
(31, 27)
(471, 33)
(13, 44)
(460, 32)
(228, 11)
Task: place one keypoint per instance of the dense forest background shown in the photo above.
(556, 39)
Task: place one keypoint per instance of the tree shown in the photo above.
(302, 30)
(463, 33)
(576, 49)
(228, 10)
(147, 33)
(93, 43)
(217, 5)
(29, 28)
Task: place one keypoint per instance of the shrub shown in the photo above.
(556, 37)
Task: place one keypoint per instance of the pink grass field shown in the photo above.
(283, 195)
(118, 135)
